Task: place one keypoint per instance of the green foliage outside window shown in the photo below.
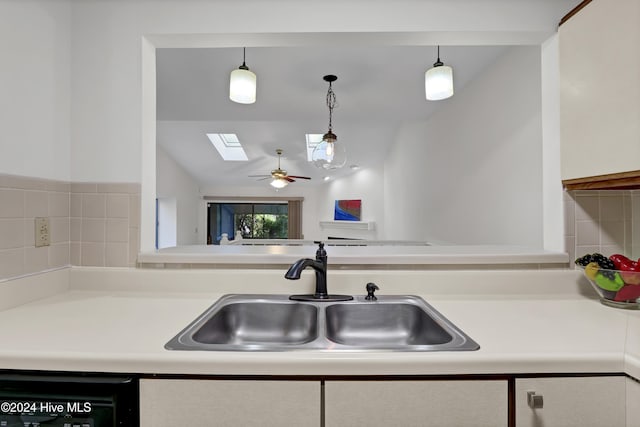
(262, 226)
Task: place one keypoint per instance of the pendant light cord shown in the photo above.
(331, 103)
(438, 63)
(244, 65)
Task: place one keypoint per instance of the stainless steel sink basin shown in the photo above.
(245, 322)
(275, 323)
(384, 325)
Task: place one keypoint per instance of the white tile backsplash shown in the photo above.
(36, 204)
(93, 230)
(59, 204)
(12, 262)
(117, 231)
(587, 208)
(602, 221)
(117, 206)
(36, 259)
(12, 232)
(102, 215)
(90, 224)
(587, 233)
(11, 203)
(94, 205)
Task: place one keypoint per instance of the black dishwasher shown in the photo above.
(68, 400)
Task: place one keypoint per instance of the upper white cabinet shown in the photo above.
(600, 90)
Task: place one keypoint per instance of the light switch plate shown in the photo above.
(42, 232)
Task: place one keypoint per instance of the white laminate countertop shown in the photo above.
(358, 255)
(111, 320)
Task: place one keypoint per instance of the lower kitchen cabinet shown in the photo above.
(416, 403)
(571, 401)
(633, 403)
(175, 402)
(596, 401)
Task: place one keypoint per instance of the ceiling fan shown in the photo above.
(280, 177)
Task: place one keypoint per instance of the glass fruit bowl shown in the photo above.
(616, 279)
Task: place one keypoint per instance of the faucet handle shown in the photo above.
(371, 289)
(321, 252)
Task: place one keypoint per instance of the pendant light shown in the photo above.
(438, 81)
(242, 84)
(329, 154)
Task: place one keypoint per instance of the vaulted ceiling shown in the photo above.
(380, 85)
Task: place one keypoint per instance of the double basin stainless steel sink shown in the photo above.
(275, 323)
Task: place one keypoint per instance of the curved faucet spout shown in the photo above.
(293, 273)
(320, 268)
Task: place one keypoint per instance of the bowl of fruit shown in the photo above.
(616, 279)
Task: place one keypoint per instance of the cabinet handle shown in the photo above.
(535, 401)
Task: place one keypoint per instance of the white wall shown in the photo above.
(176, 184)
(405, 175)
(552, 198)
(471, 174)
(106, 62)
(35, 41)
(366, 185)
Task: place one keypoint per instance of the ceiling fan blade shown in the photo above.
(300, 177)
(288, 178)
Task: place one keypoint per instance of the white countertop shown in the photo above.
(359, 255)
(111, 320)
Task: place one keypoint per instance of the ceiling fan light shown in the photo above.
(242, 86)
(279, 183)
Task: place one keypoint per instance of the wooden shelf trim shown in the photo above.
(573, 11)
(615, 181)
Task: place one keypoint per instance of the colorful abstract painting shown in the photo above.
(347, 210)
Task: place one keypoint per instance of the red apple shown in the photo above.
(628, 293)
(629, 269)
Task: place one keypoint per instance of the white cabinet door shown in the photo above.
(579, 402)
(633, 403)
(171, 403)
(416, 403)
(600, 89)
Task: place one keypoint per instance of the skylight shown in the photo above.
(228, 146)
(313, 139)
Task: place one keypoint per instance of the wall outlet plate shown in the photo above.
(42, 232)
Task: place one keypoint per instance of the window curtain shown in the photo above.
(295, 219)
